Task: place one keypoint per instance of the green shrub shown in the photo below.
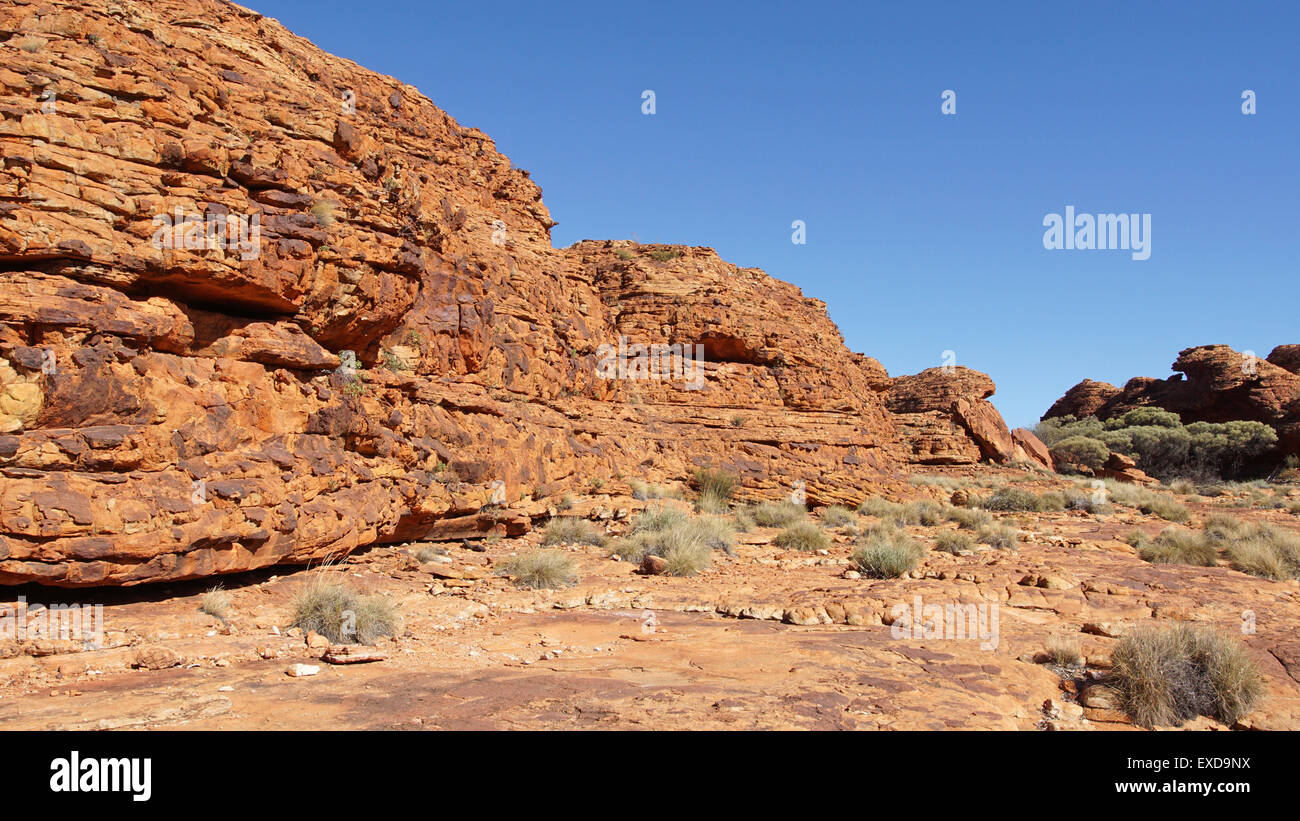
(571, 530)
(540, 569)
(1167, 675)
(1080, 451)
(886, 555)
(802, 536)
(341, 615)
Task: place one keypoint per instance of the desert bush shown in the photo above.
(716, 532)
(1167, 675)
(1160, 443)
(1051, 501)
(925, 512)
(1178, 546)
(1064, 651)
(1259, 549)
(1164, 507)
(716, 487)
(802, 536)
(838, 516)
(645, 490)
(685, 546)
(1001, 537)
(340, 614)
(955, 542)
(686, 559)
(778, 514)
(658, 517)
(1011, 498)
(744, 519)
(540, 569)
(565, 502)
(571, 530)
(216, 603)
(970, 519)
(886, 554)
(1082, 451)
(884, 510)
(1183, 487)
(427, 554)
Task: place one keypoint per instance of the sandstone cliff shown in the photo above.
(261, 305)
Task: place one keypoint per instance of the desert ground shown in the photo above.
(767, 638)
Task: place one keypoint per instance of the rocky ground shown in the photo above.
(767, 638)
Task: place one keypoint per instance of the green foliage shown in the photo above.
(1080, 451)
(1159, 442)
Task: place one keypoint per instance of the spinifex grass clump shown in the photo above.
(802, 536)
(686, 547)
(540, 569)
(658, 517)
(838, 516)
(1166, 675)
(571, 530)
(216, 603)
(1178, 546)
(343, 616)
(886, 554)
(955, 542)
(778, 514)
(716, 487)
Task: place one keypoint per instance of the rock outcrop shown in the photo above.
(1214, 383)
(944, 418)
(261, 305)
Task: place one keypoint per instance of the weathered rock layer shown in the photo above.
(261, 305)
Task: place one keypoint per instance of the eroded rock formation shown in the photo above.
(261, 305)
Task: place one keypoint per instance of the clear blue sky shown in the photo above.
(924, 231)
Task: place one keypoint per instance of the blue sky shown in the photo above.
(924, 231)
